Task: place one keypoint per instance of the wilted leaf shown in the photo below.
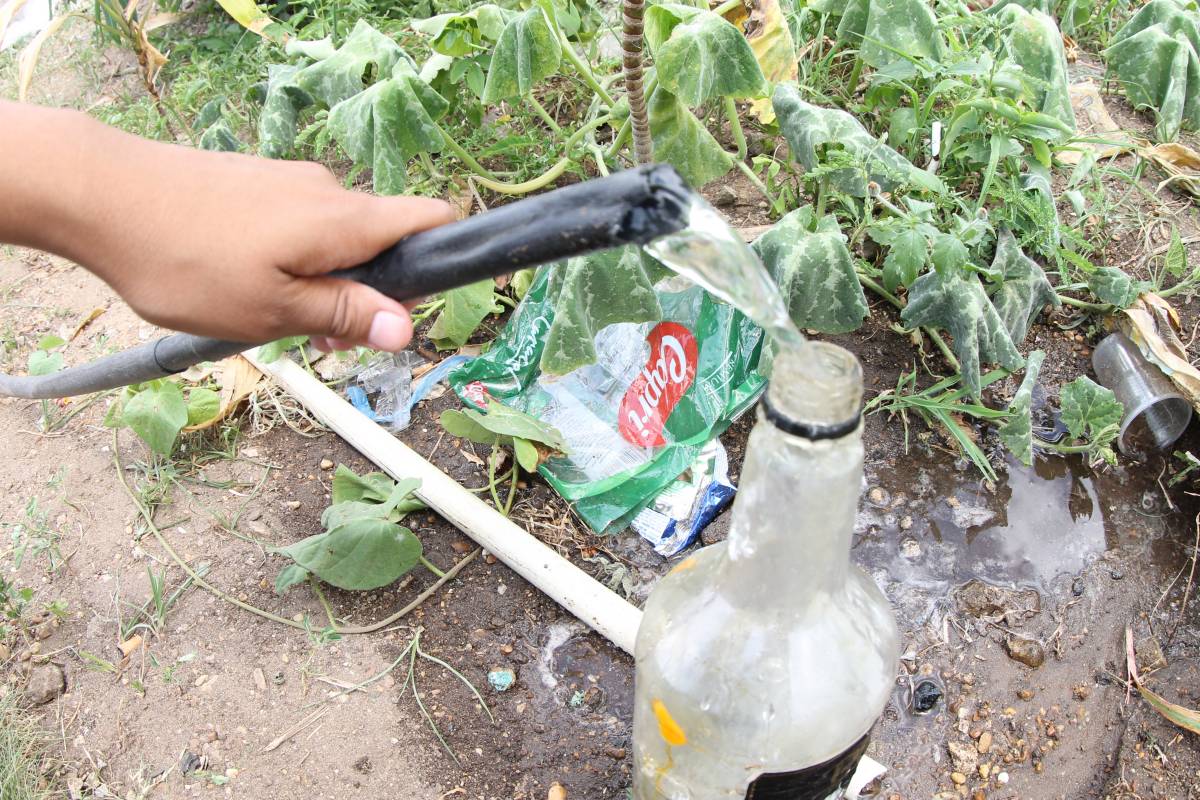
(1017, 433)
(1090, 411)
(958, 303)
(389, 123)
(465, 308)
(1034, 41)
(884, 29)
(366, 56)
(682, 140)
(1180, 162)
(156, 414)
(248, 15)
(809, 129)
(700, 56)
(1111, 285)
(527, 52)
(1155, 56)
(1024, 290)
(238, 378)
(1153, 326)
(591, 292)
(27, 61)
(361, 554)
(766, 30)
(499, 423)
(814, 271)
(281, 108)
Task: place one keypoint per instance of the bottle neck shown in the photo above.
(794, 517)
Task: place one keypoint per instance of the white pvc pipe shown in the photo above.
(572, 588)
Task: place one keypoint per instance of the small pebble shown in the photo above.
(1077, 587)
(326, 463)
(1002, 778)
(985, 742)
(958, 778)
(1025, 694)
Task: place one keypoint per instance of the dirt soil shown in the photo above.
(1014, 597)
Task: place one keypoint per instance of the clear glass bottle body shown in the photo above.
(768, 652)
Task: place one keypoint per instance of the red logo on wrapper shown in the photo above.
(477, 393)
(660, 386)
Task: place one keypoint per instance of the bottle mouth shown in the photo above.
(815, 391)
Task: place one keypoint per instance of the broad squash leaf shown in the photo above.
(465, 308)
(809, 128)
(373, 487)
(499, 423)
(949, 254)
(366, 56)
(957, 303)
(700, 56)
(218, 137)
(1034, 41)
(815, 272)
(202, 405)
(1024, 289)
(157, 413)
(527, 52)
(311, 49)
(682, 140)
(42, 362)
(907, 256)
(464, 33)
(1111, 285)
(766, 31)
(389, 123)
(1175, 262)
(273, 351)
(592, 292)
(1017, 433)
(1090, 411)
(1156, 57)
(393, 507)
(281, 108)
(888, 30)
(361, 554)
(289, 576)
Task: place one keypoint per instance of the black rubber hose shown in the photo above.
(630, 207)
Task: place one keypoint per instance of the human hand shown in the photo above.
(229, 245)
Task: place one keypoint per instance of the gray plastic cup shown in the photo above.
(1156, 414)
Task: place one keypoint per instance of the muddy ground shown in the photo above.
(1050, 564)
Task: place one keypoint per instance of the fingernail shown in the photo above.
(388, 332)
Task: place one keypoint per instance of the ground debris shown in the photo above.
(1028, 651)
(985, 601)
(46, 684)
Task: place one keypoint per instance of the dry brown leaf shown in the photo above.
(1070, 49)
(239, 378)
(1180, 162)
(27, 62)
(1093, 120)
(469, 456)
(1152, 324)
(88, 320)
(162, 19)
(767, 32)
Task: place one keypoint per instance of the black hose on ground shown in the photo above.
(630, 207)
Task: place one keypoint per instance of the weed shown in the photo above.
(23, 761)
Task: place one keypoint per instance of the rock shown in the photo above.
(46, 684)
(726, 197)
(502, 679)
(5, 653)
(45, 630)
(910, 548)
(985, 742)
(1116, 574)
(1002, 778)
(557, 792)
(958, 778)
(964, 756)
(293, 504)
(906, 522)
(1025, 694)
(1081, 692)
(1027, 651)
(925, 696)
(260, 680)
(1078, 587)
(326, 463)
(878, 496)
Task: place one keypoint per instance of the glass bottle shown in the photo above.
(763, 661)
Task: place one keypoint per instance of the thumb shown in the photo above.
(351, 313)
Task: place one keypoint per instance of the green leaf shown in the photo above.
(1155, 57)
(526, 453)
(885, 31)
(814, 271)
(905, 259)
(521, 281)
(809, 129)
(361, 554)
(202, 405)
(373, 487)
(1181, 716)
(157, 414)
(590, 293)
(1024, 289)
(366, 56)
(389, 123)
(459, 34)
(1176, 261)
(465, 308)
(289, 576)
(1017, 433)
(527, 52)
(1034, 41)
(949, 253)
(398, 501)
(499, 422)
(219, 138)
(52, 342)
(272, 351)
(1090, 411)
(311, 49)
(682, 140)
(44, 363)
(700, 56)
(281, 109)
(1111, 285)
(956, 302)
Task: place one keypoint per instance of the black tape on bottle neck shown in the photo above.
(807, 430)
(818, 782)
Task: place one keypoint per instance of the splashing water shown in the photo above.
(713, 255)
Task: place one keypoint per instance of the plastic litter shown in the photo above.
(677, 516)
(501, 679)
(1156, 414)
(389, 379)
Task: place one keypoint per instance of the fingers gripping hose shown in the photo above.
(630, 207)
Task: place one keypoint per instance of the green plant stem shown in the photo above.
(464, 156)
(1098, 308)
(822, 198)
(947, 353)
(727, 6)
(512, 491)
(776, 205)
(79, 408)
(316, 587)
(550, 175)
(621, 139)
(855, 73)
(580, 66)
(541, 111)
(735, 124)
(870, 283)
(429, 565)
